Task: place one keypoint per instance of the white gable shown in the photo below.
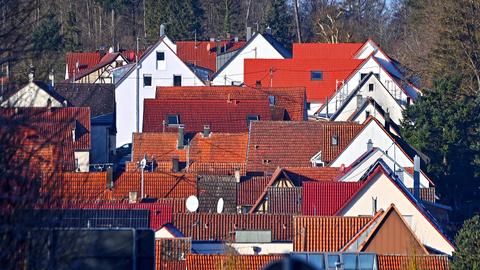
(372, 131)
(31, 96)
(232, 72)
(161, 73)
(371, 47)
(356, 173)
(170, 44)
(387, 193)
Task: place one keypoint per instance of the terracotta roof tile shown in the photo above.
(241, 262)
(222, 227)
(219, 147)
(221, 115)
(325, 50)
(157, 185)
(326, 198)
(204, 53)
(170, 254)
(76, 186)
(300, 174)
(293, 144)
(161, 146)
(249, 191)
(325, 234)
(400, 262)
(291, 99)
(295, 72)
(85, 61)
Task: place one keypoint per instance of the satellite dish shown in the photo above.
(143, 163)
(192, 203)
(220, 205)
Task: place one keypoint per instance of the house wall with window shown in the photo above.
(159, 66)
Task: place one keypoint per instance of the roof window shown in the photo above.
(316, 75)
(173, 119)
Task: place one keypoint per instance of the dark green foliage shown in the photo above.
(46, 36)
(72, 32)
(467, 240)
(443, 124)
(279, 17)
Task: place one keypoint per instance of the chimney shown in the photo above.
(181, 137)
(110, 177)
(132, 197)
(218, 47)
(235, 39)
(31, 73)
(369, 145)
(237, 175)
(268, 30)
(387, 121)
(101, 51)
(374, 206)
(162, 30)
(249, 33)
(206, 131)
(175, 164)
(51, 78)
(416, 177)
(111, 50)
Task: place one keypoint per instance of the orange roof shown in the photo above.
(400, 262)
(312, 173)
(161, 146)
(157, 185)
(325, 234)
(219, 147)
(325, 50)
(168, 250)
(76, 186)
(297, 73)
(241, 262)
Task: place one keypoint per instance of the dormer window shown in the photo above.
(316, 75)
(334, 139)
(173, 119)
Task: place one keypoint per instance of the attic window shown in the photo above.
(370, 87)
(316, 75)
(160, 56)
(335, 139)
(271, 100)
(147, 80)
(161, 64)
(173, 119)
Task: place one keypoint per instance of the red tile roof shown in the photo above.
(54, 127)
(325, 50)
(222, 227)
(326, 198)
(300, 174)
(240, 262)
(85, 61)
(170, 253)
(293, 144)
(76, 187)
(249, 191)
(292, 99)
(297, 73)
(161, 146)
(107, 59)
(325, 234)
(219, 147)
(401, 262)
(157, 185)
(221, 115)
(204, 53)
(284, 200)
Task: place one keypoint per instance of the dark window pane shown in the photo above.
(177, 80)
(316, 75)
(147, 80)
(349, 261)
(271, 100)
(172, 119)
(370, 87)
(299, 256)
(160, 56)
(333, 261)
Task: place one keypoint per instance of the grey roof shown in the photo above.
(99, 97)
(10, 90)
(213, 187)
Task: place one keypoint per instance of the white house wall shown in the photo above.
(265, 248)
(386, 193)
(357, 172)
(380, 139)
(125, 92)
(82, 158)
(233, 72)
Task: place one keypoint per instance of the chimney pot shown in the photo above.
(237, 175)
(369, 145)
(162, 30)
(416, 177)
(181, 137)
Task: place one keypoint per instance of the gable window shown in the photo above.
(147, 80)
(370, 87)
(316, 75)
(161, 61)
(271, 100)
(177, 80)
(173, 119)
(335, 139)
(252, 117)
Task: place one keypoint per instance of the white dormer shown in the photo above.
(316, 160)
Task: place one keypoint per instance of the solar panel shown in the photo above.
(93, 218)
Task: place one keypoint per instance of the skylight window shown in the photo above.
(173, 119)
(316, 75)
(252, 117)
(335, 139)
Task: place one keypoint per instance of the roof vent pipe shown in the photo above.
(416, 177)
(249, 33)
(206, 131)
(369, 145)
(181, 137)
(237, 175)
(162, 30)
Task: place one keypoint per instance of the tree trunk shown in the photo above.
(297, 21)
